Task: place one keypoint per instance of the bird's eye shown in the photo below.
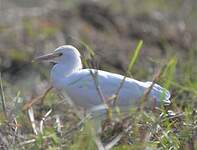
(60, 54)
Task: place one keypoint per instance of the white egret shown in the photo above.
(67, 74)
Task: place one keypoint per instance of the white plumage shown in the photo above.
(67, 74)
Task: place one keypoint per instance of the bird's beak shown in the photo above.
(49, 56)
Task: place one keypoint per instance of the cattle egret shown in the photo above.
(67, 74)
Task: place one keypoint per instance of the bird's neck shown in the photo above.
(60, 71)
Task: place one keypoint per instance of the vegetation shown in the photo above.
(167, 56)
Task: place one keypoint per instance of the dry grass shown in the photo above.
(112, 29)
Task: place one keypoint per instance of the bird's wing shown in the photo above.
(81, 87)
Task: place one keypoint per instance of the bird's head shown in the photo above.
(62, 55)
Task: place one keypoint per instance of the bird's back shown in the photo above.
(81, 88)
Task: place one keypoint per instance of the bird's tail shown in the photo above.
(161, 94)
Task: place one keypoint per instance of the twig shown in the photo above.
(96, 82)
(31, 117)
(27, 142)
(114, 142)
(16, 127)
(118, 91)
(3, 97)
(98, 108)
(109, 109)
(130, 66)
(15, 131)
(148, 90)
(43, 119)
(32, 141)
(29, 103)
(98, 143)
(58, 122)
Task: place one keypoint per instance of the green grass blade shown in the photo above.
(135, 56)
(169, 72)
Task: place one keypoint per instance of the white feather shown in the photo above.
(79, 84)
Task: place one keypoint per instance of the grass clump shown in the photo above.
(168, 127)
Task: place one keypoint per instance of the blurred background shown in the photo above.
(112, 28)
